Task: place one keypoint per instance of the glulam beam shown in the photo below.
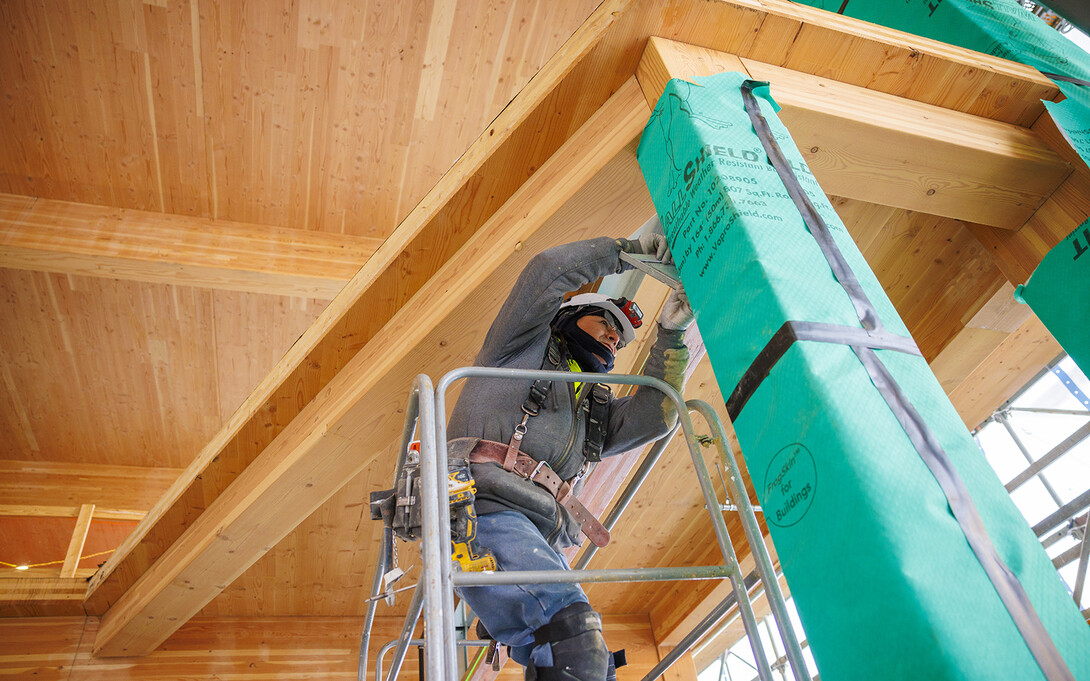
(100, 241)
(49, 488)
(39, 596)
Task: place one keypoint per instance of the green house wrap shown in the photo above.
(1057, 292)
(904, 553)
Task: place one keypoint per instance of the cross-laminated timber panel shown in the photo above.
(592, 66)
(518, 142)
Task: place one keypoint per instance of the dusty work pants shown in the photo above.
(512, 613)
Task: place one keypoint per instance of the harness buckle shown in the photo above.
(579, 476)
(537, 469)
(520, 429)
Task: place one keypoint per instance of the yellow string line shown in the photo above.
(55, 562)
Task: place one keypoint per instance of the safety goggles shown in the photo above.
(612, 323)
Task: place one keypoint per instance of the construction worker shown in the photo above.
(529, 444)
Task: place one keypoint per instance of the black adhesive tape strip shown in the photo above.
(868, 316)
(1010, 590)
(792, 331)
(1066, 79)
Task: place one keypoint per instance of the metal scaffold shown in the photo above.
(433, 596)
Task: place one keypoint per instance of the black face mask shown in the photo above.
(583, 347)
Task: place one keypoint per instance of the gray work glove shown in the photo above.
(651, 244)
(676, 313)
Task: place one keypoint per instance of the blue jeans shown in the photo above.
(511, 613)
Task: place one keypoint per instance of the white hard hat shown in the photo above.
(626, 312)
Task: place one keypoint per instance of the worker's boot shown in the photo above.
(579, 652)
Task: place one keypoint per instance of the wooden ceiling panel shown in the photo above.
(318, 115)
(155, 369)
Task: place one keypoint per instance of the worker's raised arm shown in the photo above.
(539, 292)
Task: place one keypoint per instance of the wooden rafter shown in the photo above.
(40, 511)
(37, 596)
(77, 238)
(79, 538)
(39, 488)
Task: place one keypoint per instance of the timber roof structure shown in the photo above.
(232, 233)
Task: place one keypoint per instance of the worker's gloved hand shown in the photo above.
(651, 244)
(676, 313)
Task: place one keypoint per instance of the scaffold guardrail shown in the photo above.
(433, 597)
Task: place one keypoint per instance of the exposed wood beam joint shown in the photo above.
(888, 150)
(1018, 253)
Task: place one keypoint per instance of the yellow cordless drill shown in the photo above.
(463, 524)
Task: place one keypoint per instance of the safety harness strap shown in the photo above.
(597, 416)
(554, 355)
(596, 406)
(539, 472)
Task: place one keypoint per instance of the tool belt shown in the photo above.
(539, 472)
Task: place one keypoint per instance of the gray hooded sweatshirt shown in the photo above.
(490, 409)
